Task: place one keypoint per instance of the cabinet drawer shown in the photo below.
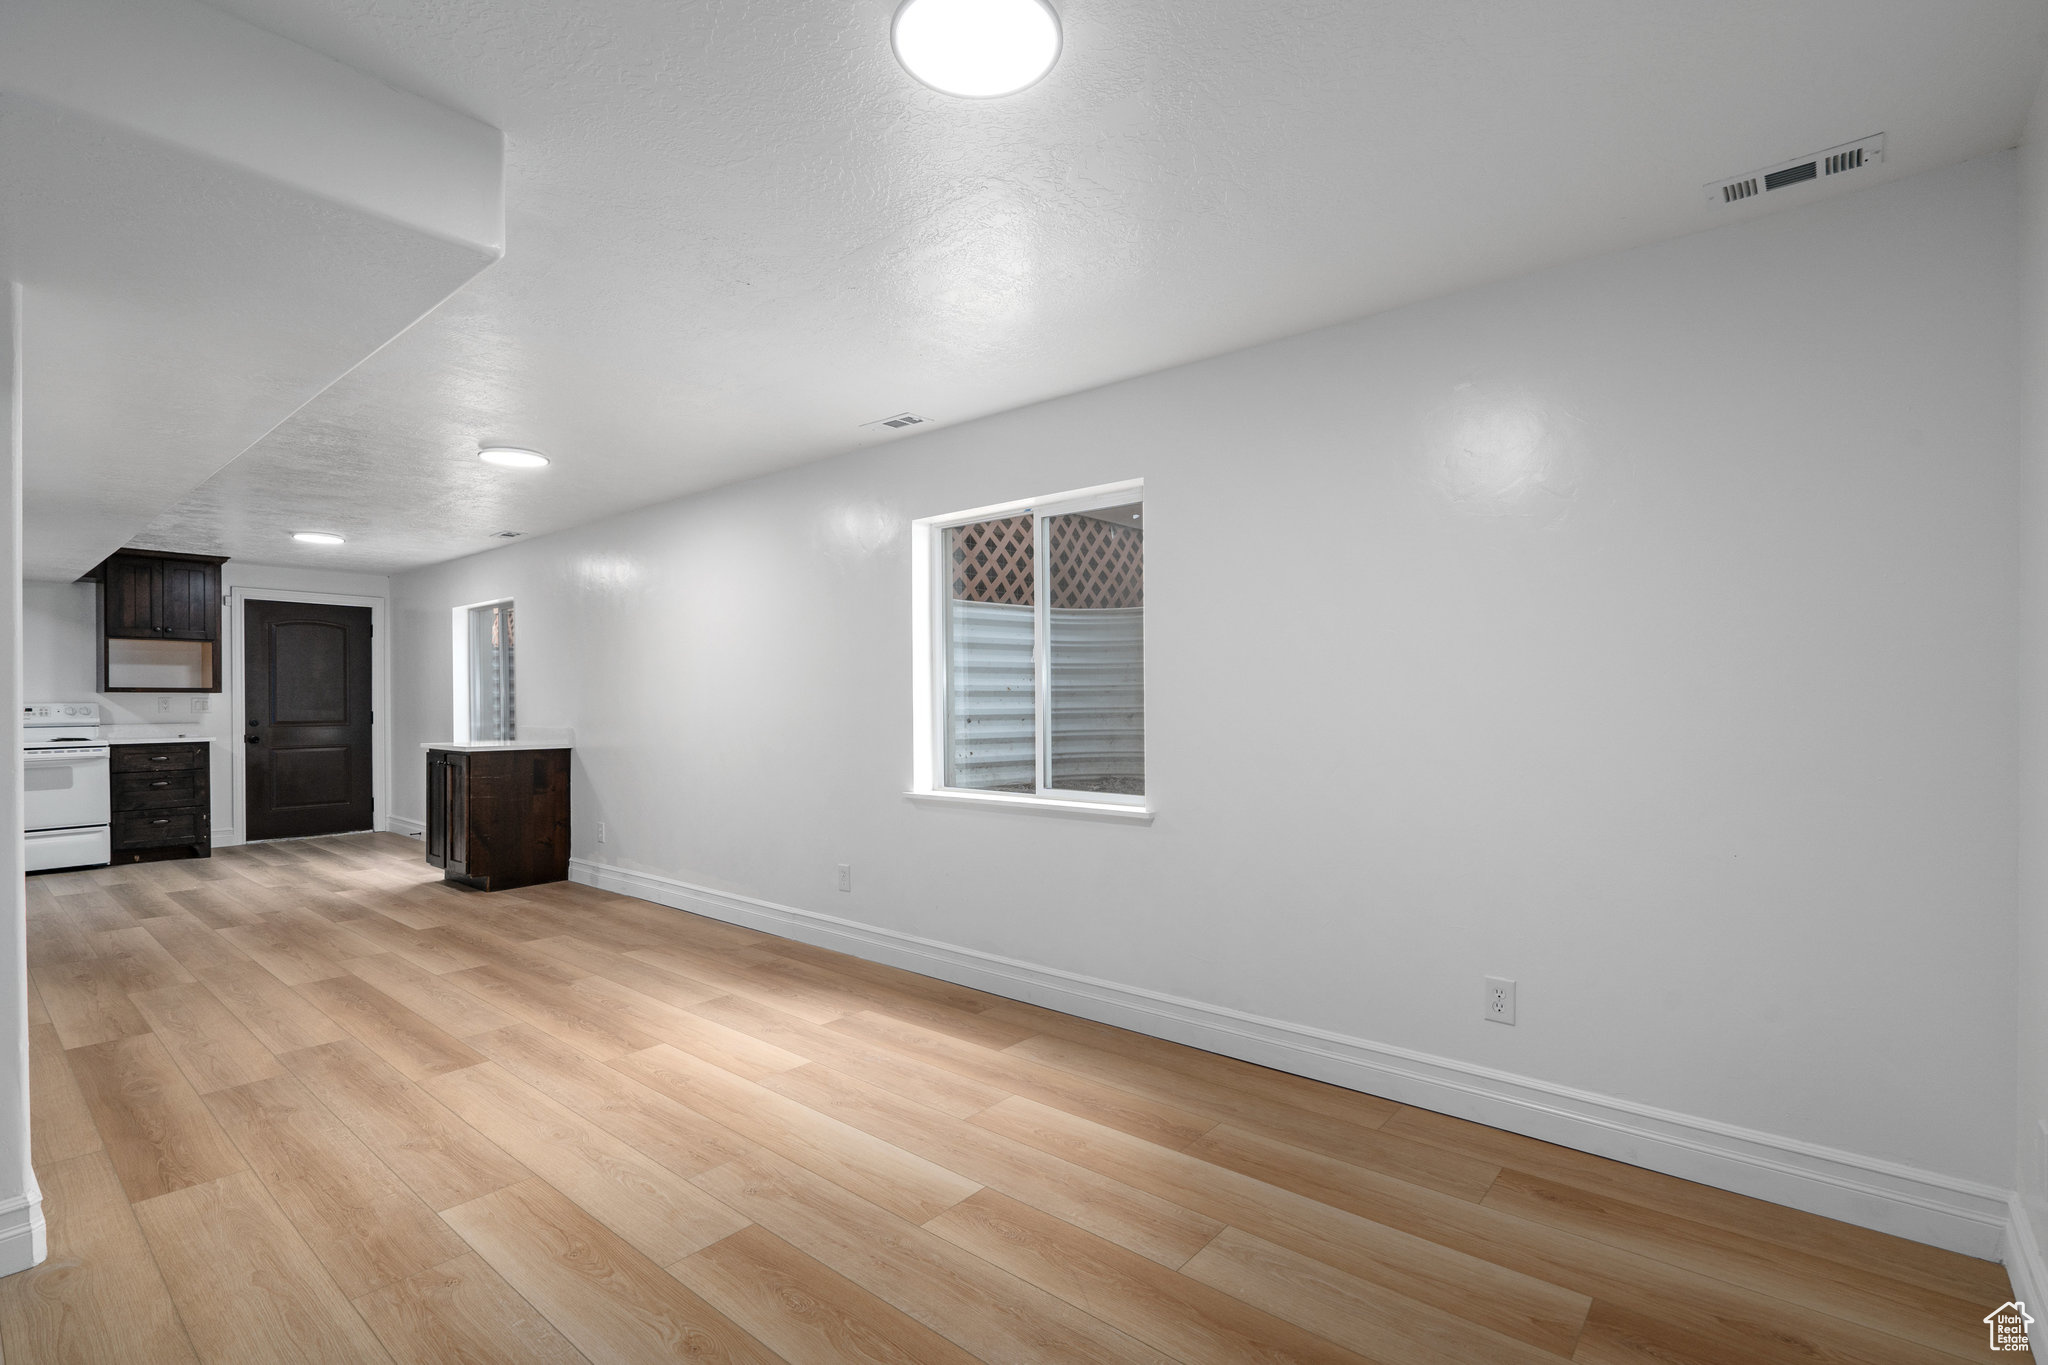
(153, 790)
(148, 829)
(149, 758)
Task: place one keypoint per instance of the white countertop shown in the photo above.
(483, 746)
(151, 734)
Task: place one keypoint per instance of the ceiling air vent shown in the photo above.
(1850, 156)
(896, 423)
(1792, 175)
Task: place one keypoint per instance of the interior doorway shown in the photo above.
(306, 734)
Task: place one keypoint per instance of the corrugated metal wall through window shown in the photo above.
(1098, 698)
(991, 718)
(491, 700)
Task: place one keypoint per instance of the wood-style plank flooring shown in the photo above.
(304, 1102)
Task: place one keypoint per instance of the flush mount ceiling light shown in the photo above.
(317, 537)
(976, 48)
(512, 457)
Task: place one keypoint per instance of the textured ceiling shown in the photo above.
(210, 224)
(737, 230)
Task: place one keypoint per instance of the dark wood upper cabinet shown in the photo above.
(171, 600)
(129, 592)
(190, 595)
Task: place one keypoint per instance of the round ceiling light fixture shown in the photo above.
(317, 537)
(976, 48)
(512, 457)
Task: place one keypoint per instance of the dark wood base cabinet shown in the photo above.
(498, 818)
(161, 805)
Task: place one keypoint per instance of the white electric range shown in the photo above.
(65, 786)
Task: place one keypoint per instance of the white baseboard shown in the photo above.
(400, 824)
(1925, 1206)
(24, 1241)
(2022, 1257)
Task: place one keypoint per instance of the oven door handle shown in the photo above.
(34, 756)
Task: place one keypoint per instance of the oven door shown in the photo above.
(64, 788)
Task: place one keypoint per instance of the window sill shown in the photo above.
(1038, 805)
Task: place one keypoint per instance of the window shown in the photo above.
(484, 692)
(1033, 650)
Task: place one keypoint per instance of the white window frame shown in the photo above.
(459, 624)
(929, 573)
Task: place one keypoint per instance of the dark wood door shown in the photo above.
(132, 588)
(190, 600)
(307, 742)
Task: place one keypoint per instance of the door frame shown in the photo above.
(239, 597)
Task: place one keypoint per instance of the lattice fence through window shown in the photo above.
(1095, 563)
(992, 561)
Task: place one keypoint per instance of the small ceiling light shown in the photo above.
(317, 537)
(976, 48)
(512, 457)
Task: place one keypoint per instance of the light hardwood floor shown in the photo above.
(303, 1102)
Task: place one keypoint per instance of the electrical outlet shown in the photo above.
(1500, 1000)
(201, 705)
(846, 876)
(600, 831)
(163, 706)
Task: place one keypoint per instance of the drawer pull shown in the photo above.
(164, 783)
(160, 758)
(165, 821)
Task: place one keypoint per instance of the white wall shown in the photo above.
(2030, 1211)
(23, 1237)
(1642, 629)
(60, 664)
